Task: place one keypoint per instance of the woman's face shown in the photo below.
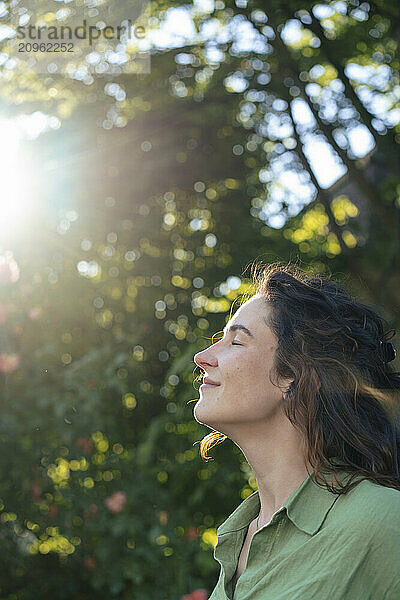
(240, 363)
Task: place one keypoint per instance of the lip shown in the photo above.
(209, 383)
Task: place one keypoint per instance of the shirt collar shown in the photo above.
(306, 507)
(309, 504)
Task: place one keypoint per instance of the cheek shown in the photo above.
(257, 382)
(236, 374)
(245, 371)
(244, 377)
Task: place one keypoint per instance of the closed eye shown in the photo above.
(236, 344)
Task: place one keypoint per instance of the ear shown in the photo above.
(286, 385)
(314, 382)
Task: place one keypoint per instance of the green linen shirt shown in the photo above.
(317, 546)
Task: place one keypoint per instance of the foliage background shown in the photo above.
(152, 195)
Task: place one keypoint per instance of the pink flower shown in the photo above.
(93, 512)
(9, 270)
(200, 594)
(36, 492)
(89, 562)
(8, 362)
(191, 533)
(163, 516)
(85, 443)
(3, 313)
(116, 502)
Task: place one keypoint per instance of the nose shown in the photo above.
(205, 357)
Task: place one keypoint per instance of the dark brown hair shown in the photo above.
(344, 398)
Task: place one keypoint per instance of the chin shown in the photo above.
(201, 413)
(207, 417)
(197, 413)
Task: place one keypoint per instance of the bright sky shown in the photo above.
(177, 30)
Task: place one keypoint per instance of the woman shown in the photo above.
(301, 383)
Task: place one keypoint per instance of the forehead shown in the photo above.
(253, 314)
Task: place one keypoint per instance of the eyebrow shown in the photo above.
(236, 327)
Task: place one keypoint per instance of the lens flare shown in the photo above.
(15, 179)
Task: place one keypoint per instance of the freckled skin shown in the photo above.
(248, 408)
(246, 400)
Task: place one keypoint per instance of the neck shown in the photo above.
(276, 458)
